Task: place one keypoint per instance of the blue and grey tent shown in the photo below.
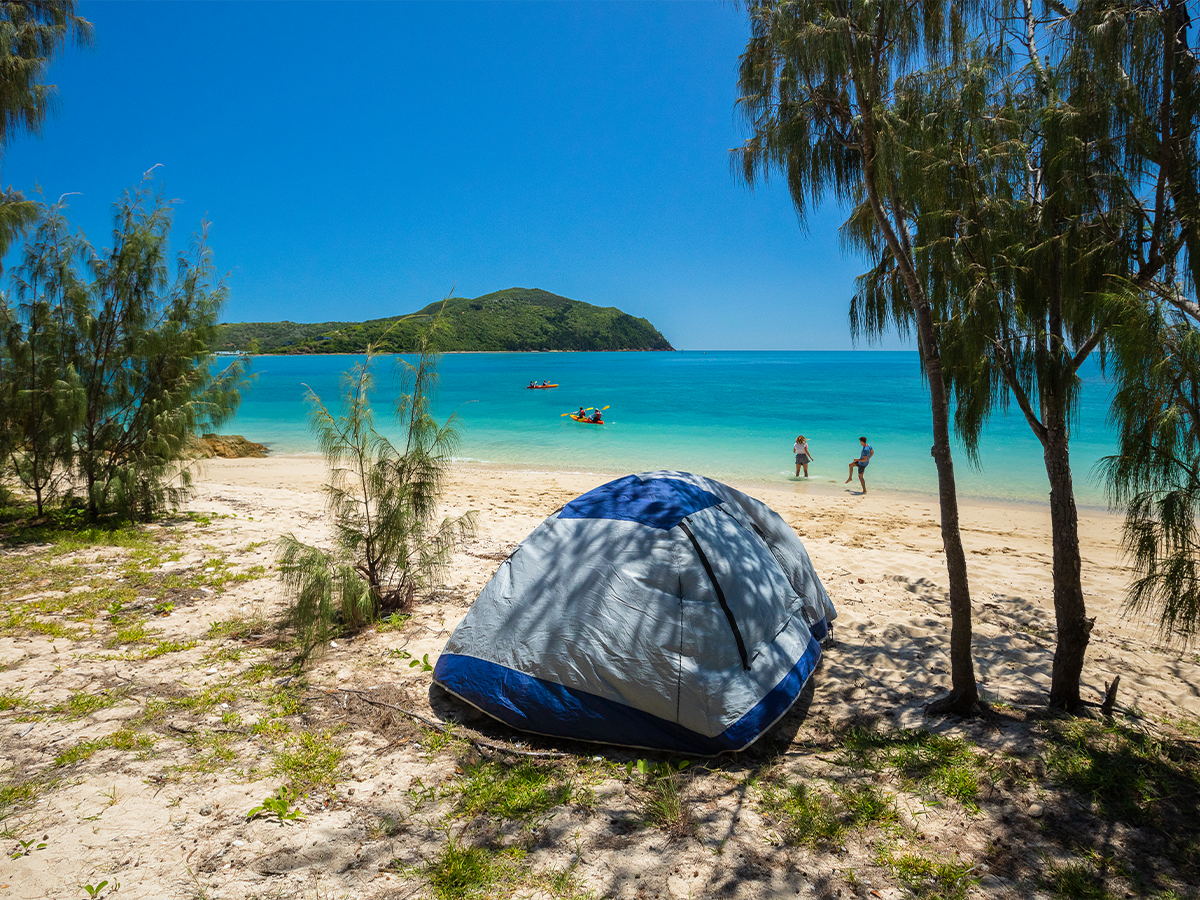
(663, 611)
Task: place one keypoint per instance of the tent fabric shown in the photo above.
(662, 611)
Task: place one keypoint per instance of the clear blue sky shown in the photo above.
(358, 160)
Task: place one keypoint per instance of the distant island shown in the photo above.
(518, 319)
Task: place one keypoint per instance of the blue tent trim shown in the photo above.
(656, 503)
(544, 707)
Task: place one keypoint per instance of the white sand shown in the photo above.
(879, 556)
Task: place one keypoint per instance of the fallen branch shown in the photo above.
(479, 743)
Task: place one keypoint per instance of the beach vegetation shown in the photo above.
(520, 792)
(279, 805)
(105, 363)
(32, 35)
(1155, 475)
(946, 765)
(466, 869)
(659, 791)
(1054, 220)
(810, 813)
(310, 760)
(932, 878)
(819, 89)
(17, 792)
(1126, 773)
(462, 870)
(382, 497)
(1026, 197)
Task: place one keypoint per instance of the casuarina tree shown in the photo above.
(817, 83)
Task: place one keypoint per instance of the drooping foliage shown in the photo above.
(382, 498)
(1034, 171)
(819, 91)
(1156, 473)
(32, 33)
(1155, 360)
(105, 364)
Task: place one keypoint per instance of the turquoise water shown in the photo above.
(729, 415)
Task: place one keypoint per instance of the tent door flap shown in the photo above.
(737, 634)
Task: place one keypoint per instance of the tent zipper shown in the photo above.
(737, 634)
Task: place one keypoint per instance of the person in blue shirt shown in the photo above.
(861, 462)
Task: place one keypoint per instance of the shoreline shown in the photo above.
(814, 486)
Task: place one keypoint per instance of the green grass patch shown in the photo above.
(22, 621)
(394, 622)
(16, 793)
(931, 879)
(204, 700)
(461, 871)
(809, 815)
(125, 739)
(271, 729)
(310, 760)
(1077, 881)
(131, 633)
(517, 793)
(934, 762)
(212, 751)
(221, 654)
(79, 752)
(212, 573)
(67, 530)
(661, 796)
(162, 648)
(258, 673)
(435, 741)
(1127, 773)
(237, 629)
(84, 703)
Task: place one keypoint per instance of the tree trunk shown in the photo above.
(1074, 628)
(964, 693)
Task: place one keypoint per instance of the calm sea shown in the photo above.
(730, 415)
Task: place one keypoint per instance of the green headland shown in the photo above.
(518, 319)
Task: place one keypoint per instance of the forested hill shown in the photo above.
(515, 319)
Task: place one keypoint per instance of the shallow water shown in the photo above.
(730, 415)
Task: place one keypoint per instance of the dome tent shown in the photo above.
(662, 611)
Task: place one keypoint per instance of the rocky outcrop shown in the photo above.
(228, 446)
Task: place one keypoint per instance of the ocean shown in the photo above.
(731, 415)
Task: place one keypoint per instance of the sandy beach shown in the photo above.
(163, 825)
(879, 556)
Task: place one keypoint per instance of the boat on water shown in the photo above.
(539, 387)
(586, 420)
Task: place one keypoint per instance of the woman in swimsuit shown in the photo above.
(803, 456)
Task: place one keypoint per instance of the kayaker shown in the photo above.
(597, 418)
(581, 414)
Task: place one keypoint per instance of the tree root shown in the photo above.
(1110, 696)
(955, 704)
